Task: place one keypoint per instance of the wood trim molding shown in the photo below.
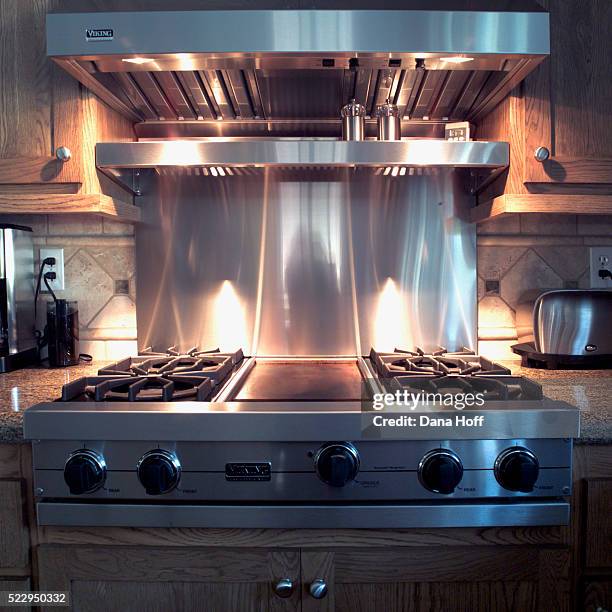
(558, 169)
(30, 170)
(542, 203)
(51, 204)
(301, 538)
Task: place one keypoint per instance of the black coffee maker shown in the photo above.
(63, 333)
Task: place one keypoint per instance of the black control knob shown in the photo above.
(337, 463)
(84, 471)
(440, 471)
(517, 469)
(159, 471)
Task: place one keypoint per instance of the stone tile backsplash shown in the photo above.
(520, 257)
(99, 275)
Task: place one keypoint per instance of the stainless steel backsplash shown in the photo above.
(306, 262)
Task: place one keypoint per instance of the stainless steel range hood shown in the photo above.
(282, 72)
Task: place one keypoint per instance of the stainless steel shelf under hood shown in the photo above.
(254, 152)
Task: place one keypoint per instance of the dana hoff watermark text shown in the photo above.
(422, 420)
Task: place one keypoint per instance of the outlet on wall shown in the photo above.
(58, 268)
(601, 267)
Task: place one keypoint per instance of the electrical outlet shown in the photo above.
(58, 268)
(600, 259)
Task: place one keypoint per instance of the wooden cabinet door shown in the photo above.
(43, 108)
(26, 96)
(567, 98)
(160, 579)
(435, 579)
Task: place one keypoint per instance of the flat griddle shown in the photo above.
(302, 381)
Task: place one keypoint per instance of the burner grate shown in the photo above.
(437, 363)
(151, 388)
(492, 388)
(156, 377)
(195, 363)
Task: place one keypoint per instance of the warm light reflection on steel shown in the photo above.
(392, 326)
(229, 319)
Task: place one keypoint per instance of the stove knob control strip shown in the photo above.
(517, 469)
(440, 471)
(84, 471)
(159, 471)
(337, 463)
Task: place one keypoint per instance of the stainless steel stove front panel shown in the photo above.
(304, 486)
(298, 456)
(388, 471)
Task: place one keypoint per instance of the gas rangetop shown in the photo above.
(210, 438)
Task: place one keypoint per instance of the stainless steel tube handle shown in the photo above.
(318, 588)
(284, 587)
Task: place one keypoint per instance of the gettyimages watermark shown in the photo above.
(411, 400)
(388, 412)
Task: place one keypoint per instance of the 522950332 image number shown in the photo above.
(29, 598)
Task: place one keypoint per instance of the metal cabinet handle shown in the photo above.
(284, 587)
(318, 589)
(541, 154)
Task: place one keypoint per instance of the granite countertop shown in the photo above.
(23, 388)
(590, 390)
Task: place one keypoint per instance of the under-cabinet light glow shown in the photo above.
(137, 60)
(456, 59)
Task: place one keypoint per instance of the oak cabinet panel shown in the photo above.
(512, 579)
(599, 527)
(43, 108)
(567, 98)
(14, 539)
(148, 579)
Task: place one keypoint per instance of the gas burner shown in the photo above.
(439, 362)
(492, 388)
(150, 388)
(194, 363)
(156, 377)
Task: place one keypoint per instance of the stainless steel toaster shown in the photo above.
(573, 322)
